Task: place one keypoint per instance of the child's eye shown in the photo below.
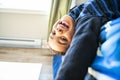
(53, 33)
(63, 39)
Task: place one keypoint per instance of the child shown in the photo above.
(61, 35)
(63, 31)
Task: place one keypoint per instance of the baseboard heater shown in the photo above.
(18, 42)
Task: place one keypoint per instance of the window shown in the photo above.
(34, 5)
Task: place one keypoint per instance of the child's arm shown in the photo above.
(82, 50)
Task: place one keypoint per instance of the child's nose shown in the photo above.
(59, 30)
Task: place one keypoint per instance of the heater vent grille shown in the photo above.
(17, 42)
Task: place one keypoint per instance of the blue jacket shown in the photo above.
(89, 18)
(109, 61)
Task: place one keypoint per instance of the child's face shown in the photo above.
(62, 33)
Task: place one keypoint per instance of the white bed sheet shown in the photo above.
(19, 71)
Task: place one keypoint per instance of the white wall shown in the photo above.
(23, 25)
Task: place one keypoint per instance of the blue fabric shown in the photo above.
(104, 8)
(109, 62)
(57, 60)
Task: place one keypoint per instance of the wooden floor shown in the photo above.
(31, 56)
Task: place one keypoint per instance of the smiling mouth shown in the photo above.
(64, 24)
